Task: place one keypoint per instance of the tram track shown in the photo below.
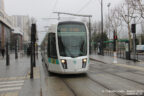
(94, 81)
(111, 64)
(111, 89)
(119, 76)
(106, 87)
(69, 87)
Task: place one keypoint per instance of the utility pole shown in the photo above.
(33, 40)
(90, 47)
(80, 15)
(102, 51)
(31, 48)
(109, 4)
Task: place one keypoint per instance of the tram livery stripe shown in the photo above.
(53, 61)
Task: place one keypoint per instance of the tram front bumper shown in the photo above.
(75, 71)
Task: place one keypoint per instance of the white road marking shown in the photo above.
(10, 89)
(9, 82)
(12, 85)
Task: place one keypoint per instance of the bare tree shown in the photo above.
(127, 12)
(139, 7)
(115, 20)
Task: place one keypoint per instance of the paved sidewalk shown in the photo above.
(109, 60)
(15, 78)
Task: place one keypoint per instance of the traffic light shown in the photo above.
(33, 32)
(115, 35)
(133, 28)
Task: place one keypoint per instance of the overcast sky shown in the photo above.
(44, 8)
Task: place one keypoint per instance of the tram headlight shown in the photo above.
(84, 62)
(64, 63)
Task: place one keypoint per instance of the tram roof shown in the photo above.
(53, 27)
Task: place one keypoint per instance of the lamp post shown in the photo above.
(101, 44)
(109, 4)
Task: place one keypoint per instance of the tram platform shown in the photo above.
(120, 62)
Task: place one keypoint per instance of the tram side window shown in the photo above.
(52, 53)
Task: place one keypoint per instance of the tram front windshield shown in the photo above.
(72, 39)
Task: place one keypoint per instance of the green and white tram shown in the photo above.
(65, 48)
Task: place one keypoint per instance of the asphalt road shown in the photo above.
(101, 80)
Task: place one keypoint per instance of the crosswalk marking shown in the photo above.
(10, 89)
(8, 82)
(6, 86)
(11, 85)
(10, 94)
(13, 78)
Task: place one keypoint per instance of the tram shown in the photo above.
(65, 48)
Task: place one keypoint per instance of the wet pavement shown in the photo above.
(102, 79)
(15, 79)
(110, 60)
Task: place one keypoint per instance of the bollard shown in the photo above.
(115, 58)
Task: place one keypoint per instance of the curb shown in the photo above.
(97, 60)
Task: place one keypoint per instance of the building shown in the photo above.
(23, 22)
(5, 27)
(2, 5)
(17, 38)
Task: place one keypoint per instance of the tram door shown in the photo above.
(51, 51)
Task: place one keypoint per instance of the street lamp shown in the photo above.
(101, 44)
(109, 4)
